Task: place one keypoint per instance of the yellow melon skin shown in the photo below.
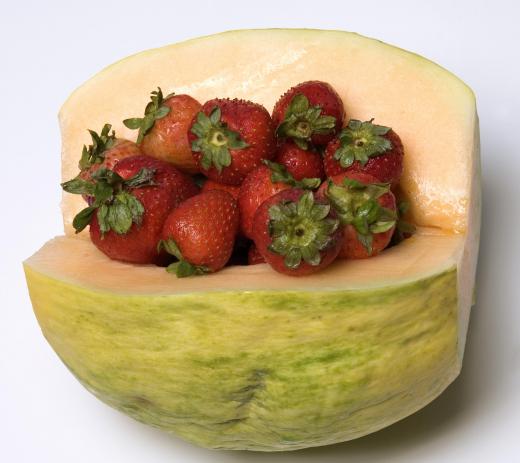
(247, 358)
(282, 368)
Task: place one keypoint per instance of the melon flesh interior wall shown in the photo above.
(418, 99)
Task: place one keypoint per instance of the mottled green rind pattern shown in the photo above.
(264, 370)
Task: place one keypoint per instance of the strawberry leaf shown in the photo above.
(155, 110)
(293, 258)
(78, 186)
(170, 246)
(103, 192)
(403, 228)
(301, 121)
(356, 204)
(280, 174)
(95, 153)
(119, 217)
(133, 123)
(360, 141)
(102, 217)
(182, 268)
(83, 218)
(108, 176)
(135, 206)
(145, 177)
(117, 209)
(300, 230)
(366, 240)
(381, 226)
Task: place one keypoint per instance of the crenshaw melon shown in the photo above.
(247, 358)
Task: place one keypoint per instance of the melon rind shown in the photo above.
(246, 358)
(263, 370)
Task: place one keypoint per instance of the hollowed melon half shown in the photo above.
(247, 358)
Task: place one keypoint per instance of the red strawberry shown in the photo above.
(309, 112)
(256, 188)
(367, 212)
(105, 151)
(366, 147)
(300, 163)
(130, 206)
(262, 183)
(201, 233)
(211, 185)
(181, 185)
(163, 129)
(229, 138)
(254, 257)
(295, 234)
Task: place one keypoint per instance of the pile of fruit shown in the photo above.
(208, 185)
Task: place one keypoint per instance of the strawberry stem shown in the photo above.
(155, 110)
(300, 230)
(215, 140)
(95, 153)
(116, 208)
(301, 121)
(360, 141)
(356, 204)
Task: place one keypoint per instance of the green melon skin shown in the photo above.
(262, 370)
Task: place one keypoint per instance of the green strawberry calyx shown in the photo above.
(356, 204)
(301, 121)
(215, 140)
(360, 141)
(155, 110)
(403, 228)
(280, 174)
(182, 268)
(116, 208)
(95, 153)
(301, 230)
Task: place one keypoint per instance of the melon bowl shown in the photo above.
(250, 359)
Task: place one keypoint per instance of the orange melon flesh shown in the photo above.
(432, 111)
(247, 358)
(410, 261)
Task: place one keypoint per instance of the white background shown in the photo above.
(48, 48)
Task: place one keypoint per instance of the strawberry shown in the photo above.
(181, 185)
(211, 185)
(105, 151)
(310, 112)
(296, 234)
(367, 212)
(254, 257)
(300, 163)
(130, 205)
(229, 138)
(366, 147)
(201, 233)
(263, 182)
(162, 129)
